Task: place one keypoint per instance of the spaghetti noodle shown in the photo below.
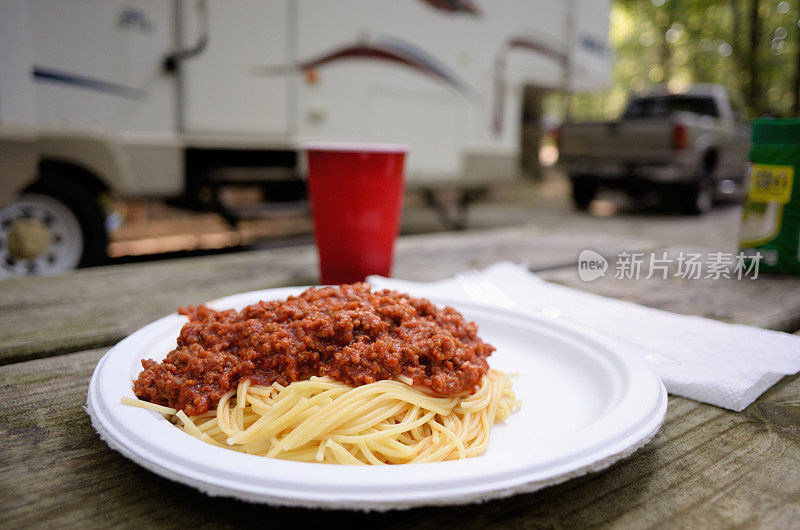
(338, 374)
(322, 420)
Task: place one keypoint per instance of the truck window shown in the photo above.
(664, 106)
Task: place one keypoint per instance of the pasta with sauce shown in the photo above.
(337, 374)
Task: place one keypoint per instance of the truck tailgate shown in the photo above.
(639, 140)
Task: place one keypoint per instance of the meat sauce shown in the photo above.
(348, 333)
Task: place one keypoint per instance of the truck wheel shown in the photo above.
(53, 227)
(583, 192)
(697, 198)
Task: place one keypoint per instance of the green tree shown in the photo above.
(750, 46)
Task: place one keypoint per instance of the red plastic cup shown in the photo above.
(356, 192)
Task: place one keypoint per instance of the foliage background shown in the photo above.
(750, 46)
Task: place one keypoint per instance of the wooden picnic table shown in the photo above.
(707, 467)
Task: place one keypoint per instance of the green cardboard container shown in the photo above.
(771, 216)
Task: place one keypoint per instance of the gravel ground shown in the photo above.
(547, 204)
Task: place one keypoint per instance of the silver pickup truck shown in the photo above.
(691, 147)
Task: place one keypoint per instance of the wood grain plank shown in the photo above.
(89, 308)
(707, 467)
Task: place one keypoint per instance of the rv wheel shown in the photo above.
(53, 227)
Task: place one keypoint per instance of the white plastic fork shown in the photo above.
(482, 290)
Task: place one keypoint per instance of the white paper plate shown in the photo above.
(584, 407)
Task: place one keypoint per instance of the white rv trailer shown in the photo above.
(174, 99)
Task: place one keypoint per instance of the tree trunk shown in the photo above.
(736, 34)
(736, 26)
(754, 96)
(664, 49)
(796, 87)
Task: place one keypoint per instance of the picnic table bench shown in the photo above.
(707, 467)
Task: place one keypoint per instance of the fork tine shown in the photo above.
(482, 290)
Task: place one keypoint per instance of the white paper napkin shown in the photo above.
(727, 365)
